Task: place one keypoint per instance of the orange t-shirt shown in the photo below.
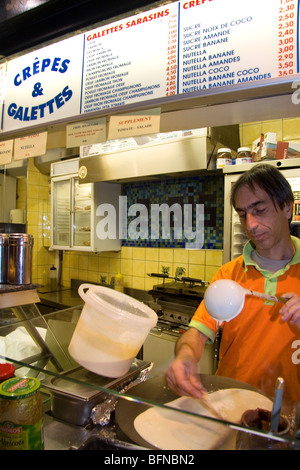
(257, 346)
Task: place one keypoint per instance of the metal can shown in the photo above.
(20, 247)
(4, 237)
(21, 414)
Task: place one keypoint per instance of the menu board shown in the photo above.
(190, 46)
(240, 43)
(177, 48)
(127, 62)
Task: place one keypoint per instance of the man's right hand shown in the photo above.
(183, 377)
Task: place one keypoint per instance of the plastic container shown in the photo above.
(4, 237)
(224, 157)
(244, 156)
(119, 282)
(7, 371)
(20, 258)
(21, 414)
(111, 330)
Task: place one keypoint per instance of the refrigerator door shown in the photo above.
(61, 214)
(234, 236)
(82, 222)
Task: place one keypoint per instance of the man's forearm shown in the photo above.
(191, 343)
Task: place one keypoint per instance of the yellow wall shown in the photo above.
(133, 263)
(38, 219)
(286, 130)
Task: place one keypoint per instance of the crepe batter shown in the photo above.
(172, 430)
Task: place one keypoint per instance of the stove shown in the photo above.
(176, 301)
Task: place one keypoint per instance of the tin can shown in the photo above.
(4, 237)
(21, 414)
(20, 246)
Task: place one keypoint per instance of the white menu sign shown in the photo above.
(244, 42)
(182, 47)
(127, 62)
(2, 88)
(44, 85)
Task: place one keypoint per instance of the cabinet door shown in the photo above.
(81, 227)
(61, 212)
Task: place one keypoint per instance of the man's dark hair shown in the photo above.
(268, 178)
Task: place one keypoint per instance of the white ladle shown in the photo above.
(224, 299)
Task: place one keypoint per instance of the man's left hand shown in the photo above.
(291, 309)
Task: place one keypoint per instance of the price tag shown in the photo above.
(133, 126)
(6, 149)
(86, 133)
(30, 146)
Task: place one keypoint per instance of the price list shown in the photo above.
(244, 43)
(172, 55)
(287, 38)
(131, 61)
(189, 46)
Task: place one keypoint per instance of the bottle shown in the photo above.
(119, 282)
(21, 414)
(53, 278)
(224, 157)
(244, 156)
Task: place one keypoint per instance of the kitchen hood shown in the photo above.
(169, 158)
(43, 162)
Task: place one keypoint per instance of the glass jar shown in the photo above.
(224, 157)
(21, 414)
(243, 156)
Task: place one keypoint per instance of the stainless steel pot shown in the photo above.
(20, 258)
(4, 257)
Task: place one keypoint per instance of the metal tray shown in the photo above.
(73, 394)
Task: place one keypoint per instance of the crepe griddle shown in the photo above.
(156, 390)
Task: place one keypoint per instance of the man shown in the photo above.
(263, 341)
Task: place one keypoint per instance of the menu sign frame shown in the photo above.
(184, 48)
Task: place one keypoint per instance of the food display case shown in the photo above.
(126, 406)
(74, 210)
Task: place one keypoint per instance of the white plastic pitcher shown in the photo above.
(111, 330)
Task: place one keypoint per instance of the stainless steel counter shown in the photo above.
(59, 435)
(64, 297)
(60, 298)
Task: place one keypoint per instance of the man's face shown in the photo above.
(266, 225)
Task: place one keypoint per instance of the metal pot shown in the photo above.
(20, 258)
